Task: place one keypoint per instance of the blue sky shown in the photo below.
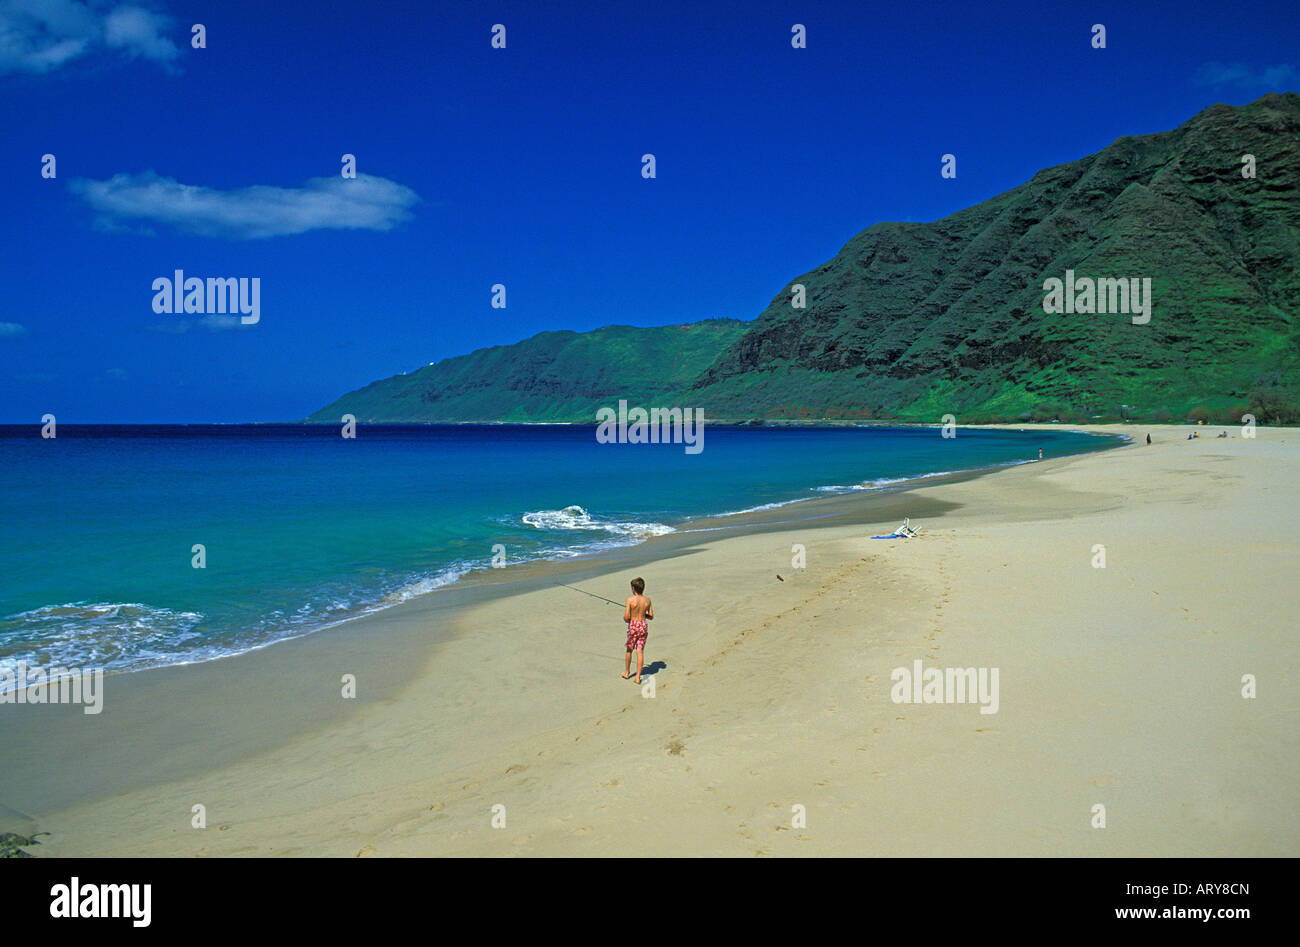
(519, 166)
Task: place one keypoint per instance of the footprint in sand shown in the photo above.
(365, 851)
(517, 768)
(435, 807)
(585, 830)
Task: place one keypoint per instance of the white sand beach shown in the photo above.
(1118, 686)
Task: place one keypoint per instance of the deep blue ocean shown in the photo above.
(303, 528)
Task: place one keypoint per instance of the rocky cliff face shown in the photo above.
(909, 319)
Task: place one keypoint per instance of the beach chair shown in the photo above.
(906, 531)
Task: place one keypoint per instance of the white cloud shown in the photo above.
(250, 213)
(1239, 74)
(139, 32)
(39, 36)
(182, 324)
(11, 330)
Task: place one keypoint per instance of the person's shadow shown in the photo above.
(653, 668)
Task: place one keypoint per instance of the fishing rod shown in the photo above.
(593, 595)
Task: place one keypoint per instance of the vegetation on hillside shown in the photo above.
(914, 321)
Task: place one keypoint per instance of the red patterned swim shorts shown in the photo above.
(636, 634)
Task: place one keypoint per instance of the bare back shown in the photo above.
(638, 609)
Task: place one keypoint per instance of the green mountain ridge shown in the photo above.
(552, 377)
(914, 321)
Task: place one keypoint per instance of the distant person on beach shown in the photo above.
(636, 614)
(1040, 453)
(1148, 440)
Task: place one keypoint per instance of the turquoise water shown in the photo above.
(303, 528)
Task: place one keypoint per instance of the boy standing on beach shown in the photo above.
(636, 614)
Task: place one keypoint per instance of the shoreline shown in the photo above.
(408, 763)
(348, 642)
(818, 504)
